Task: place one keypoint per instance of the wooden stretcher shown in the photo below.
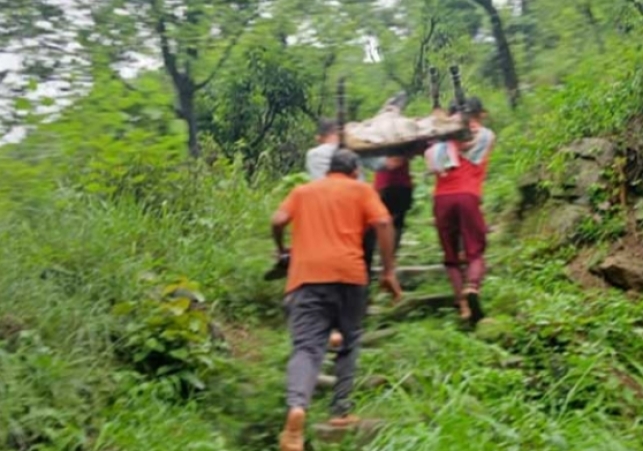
(433, 128)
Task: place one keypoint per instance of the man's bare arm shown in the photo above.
(279, 222)
(386, 242)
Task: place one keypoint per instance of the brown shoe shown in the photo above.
(292, 437)
(345, 421)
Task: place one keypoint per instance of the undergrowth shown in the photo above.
(95, 354)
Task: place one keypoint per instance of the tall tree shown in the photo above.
(505, 57)
(416, 34)
(38, 40)
(192, 38)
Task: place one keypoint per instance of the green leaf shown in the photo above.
(22, 104)
(180, 354)
(177, 306)
(193, 380)
(154, 344)
(123, 308)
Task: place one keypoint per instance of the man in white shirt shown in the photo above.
(318, 158)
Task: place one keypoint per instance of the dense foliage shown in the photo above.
(134, 315)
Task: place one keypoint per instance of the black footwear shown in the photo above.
(279, 270)
(473, 299)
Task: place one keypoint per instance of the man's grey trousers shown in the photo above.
(313, 311)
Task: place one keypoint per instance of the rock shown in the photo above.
(579, 178)
(532, 192)
(563, 221)
(584, 269)
(623, 271)
(556, 222)
(596, 149)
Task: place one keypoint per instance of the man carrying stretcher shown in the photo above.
(460, 169)
(327, 280)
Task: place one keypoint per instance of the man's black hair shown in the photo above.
(474, 103)
(326, 127)
(344, 161)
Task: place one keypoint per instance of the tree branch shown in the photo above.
(169, 59)
(328, 63)
(419, 71)
(308, 112)
(638, 5)
(226, 53)
(269, 119)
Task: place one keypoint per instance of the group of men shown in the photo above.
(337, 219)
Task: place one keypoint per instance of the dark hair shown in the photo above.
(473, 103)
(344, 161)
(326, 127)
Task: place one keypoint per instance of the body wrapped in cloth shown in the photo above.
(390, 133)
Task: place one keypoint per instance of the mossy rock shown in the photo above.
(493, 330)
(556, 220)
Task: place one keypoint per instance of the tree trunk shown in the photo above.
(186, 97)
(507, 63)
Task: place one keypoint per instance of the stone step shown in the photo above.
(400, 311)
(414, 270)
(364, 432)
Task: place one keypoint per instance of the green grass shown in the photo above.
(560, 368)
(65, 387)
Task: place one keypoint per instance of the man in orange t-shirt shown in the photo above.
(327, 282)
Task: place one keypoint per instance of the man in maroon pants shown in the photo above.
(460, 170)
